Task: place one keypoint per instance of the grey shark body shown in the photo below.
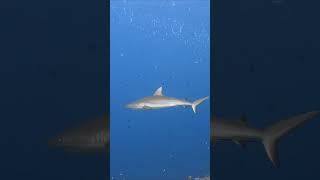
(158, 101)
(94, 136)
(239, 132)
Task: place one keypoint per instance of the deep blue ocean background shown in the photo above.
(266, 66)
(153, 44)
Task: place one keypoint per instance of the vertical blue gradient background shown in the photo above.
(153, 44)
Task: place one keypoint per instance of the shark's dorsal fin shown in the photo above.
(158, 92)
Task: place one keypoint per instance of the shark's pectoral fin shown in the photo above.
(146, 107)
(158, 92)
(241, 143)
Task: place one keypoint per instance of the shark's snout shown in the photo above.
(130, 106)
(55, 141)
(134, 105)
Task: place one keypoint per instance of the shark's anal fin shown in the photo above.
(146, 107)
(158, 92)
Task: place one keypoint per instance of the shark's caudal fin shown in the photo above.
(197, 102)
(273, 133)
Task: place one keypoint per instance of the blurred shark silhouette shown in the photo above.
(239, 132)
(94, 136)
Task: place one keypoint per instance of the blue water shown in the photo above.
(153, 44)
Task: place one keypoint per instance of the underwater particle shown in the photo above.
(198, 61)
(112, 177)
(139, 76)
(121, 54)
(164, 171)
(181, 27)
(171, 156)
(173, 3)
(155, 67)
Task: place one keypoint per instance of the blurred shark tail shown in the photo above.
(273, 133)
(197, 102)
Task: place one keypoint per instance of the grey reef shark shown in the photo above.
(158, 101)
(94, 136)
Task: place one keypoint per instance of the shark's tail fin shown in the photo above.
(273, 133)
(197, 102)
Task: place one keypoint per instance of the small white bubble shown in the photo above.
(155, 67)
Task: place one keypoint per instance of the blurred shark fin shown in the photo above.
(197, 102)
(240, 143)
(273, 133)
